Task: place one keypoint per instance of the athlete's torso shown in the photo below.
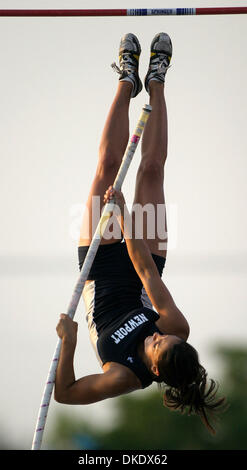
(119, 343)
(118, 310)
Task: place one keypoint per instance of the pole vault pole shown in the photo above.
(106, 214)
(130, 12)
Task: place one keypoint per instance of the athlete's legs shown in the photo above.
(150, 177)
(112, 147)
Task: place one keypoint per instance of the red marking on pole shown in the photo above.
(221, 11)
(63, 12)
(135, 139)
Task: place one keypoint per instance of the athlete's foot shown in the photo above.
(129, 53)
(160, 57)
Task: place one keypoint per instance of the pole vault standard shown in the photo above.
(130, 12)
(106, 214)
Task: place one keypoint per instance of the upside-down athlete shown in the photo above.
(138, 332)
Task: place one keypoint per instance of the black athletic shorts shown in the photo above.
(115, 288)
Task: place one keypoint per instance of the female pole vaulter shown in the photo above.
(138, 332)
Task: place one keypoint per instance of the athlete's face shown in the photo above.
(156, 345)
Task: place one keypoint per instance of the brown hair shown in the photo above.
(185, 384)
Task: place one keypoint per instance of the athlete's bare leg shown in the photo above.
(150, 177)
(112, 147)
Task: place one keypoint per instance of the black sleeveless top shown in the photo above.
(119, 342)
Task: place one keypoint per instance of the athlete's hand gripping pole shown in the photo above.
(106, 213)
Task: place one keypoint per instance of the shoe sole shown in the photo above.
(164, 38)
(133, 38)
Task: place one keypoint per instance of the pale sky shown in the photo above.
(57, 86)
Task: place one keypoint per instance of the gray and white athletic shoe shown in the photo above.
(129, 53)
(160, 57)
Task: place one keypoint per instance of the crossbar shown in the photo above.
(127, 12)
(106, 214)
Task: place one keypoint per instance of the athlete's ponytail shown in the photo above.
(185, 384)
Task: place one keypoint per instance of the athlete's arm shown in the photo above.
(91, 388)
(138, 250)
(171, 321)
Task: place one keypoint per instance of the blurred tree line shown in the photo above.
(143, 422)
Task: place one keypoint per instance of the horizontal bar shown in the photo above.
(128, 12)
